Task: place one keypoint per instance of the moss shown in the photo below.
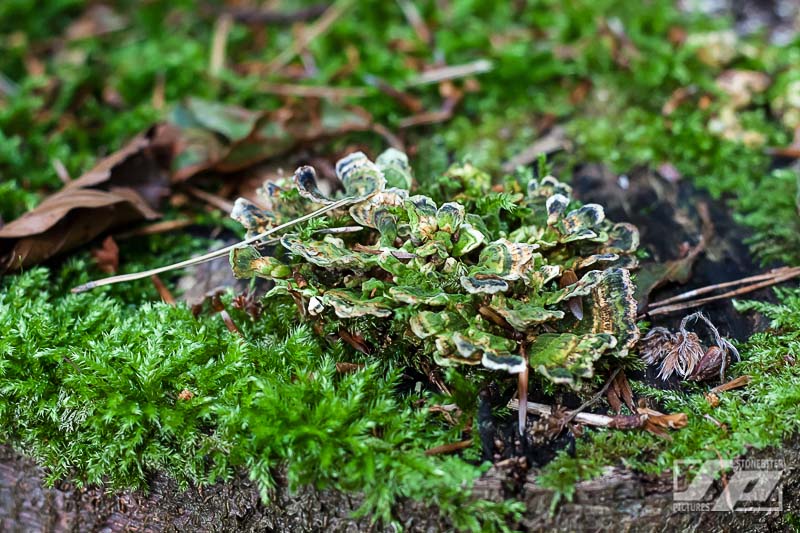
(91, 388)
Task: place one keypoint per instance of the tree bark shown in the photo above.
(619, 499)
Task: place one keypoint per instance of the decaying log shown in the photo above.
(619, 499)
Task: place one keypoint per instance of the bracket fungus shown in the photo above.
(550, 289)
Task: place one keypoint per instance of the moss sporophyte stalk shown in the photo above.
(540, 282)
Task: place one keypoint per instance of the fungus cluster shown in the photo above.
(548, 289)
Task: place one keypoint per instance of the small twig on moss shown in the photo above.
(451, 72)
(715, 421)
(449, 448)
(711, 288)
(313, 91)
(211, 255)
(219, 41)
(593, 399)
(541, 409)
(777, 276)
(647, 419)
(163, 291)
(741, 381)
(209, 198)
(320, 27)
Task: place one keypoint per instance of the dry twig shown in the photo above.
(449, 448)
(320, 27)
(774, 277)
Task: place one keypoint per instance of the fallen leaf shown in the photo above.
(185, 395)
(99, 19)
(346, 368)
(619, 392)
(124, 187)
(658, 423)
(226, 138)
(653, 275)
(107, 256)
(735, 383)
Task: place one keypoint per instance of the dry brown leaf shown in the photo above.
(619, 392)
(185, 395)
(125, 187)
(355, 340)
(651, 276)
(658, 423)
(346, 368)
(99, 19)
(107, 256)
(735, 383)
(229, 138)
(163, 291)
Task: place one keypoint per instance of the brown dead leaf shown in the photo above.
(347, 368)
(653, 275)
(676, 99)
(228, 138)
(125, 187)
(650, 420)
(107, 256)
(619, 392)
(185, 395)
(355, 340)
(658, 423)
(99, 19)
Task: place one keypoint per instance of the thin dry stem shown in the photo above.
(774, 280)
(211, 255)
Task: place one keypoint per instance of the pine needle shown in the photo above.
(211, 255)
